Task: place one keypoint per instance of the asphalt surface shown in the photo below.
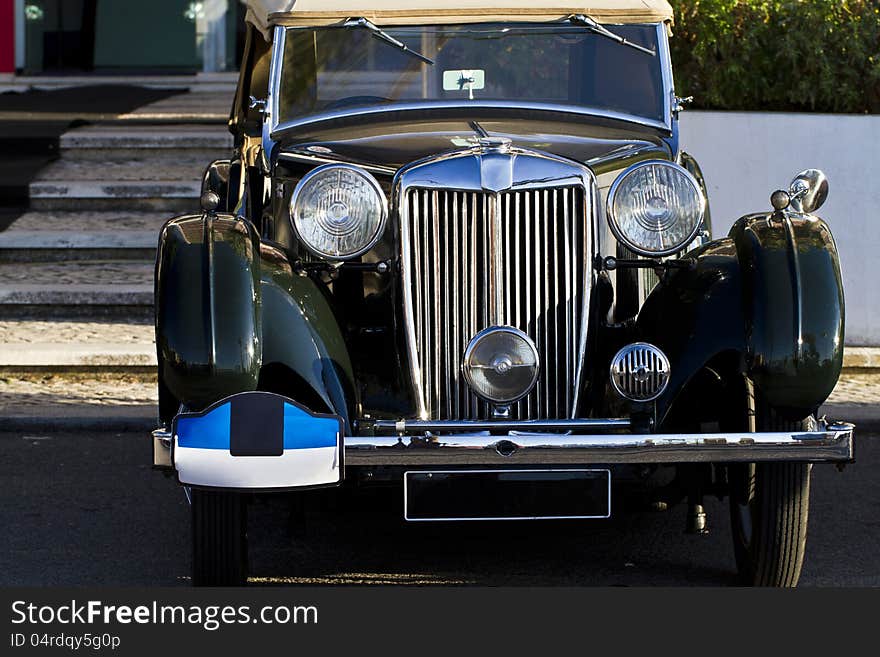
(87, 509)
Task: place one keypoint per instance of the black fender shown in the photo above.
(771, 295)
(793, 306)
(695, 315)
(300, 332)
(228, 306)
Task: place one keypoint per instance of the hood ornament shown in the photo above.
(495, 144)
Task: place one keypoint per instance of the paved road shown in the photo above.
(86, 509)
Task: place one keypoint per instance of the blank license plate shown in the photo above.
(506, 494)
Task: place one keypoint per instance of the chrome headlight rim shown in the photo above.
(472, 345)
(615, 226)
(320, 170)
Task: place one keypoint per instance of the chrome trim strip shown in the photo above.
(591, 221)
(402, 426)
(270, 117)
(402, 202)
(832, 443)
(797, 289)
(303, 158)
(584, 112)
(436, 282)
(162, 438)
(666, 72)
(496, 260)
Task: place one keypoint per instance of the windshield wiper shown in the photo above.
(596, 28)
(379, 33)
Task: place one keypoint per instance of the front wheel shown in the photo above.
(769, 509)
(769, 522)
(219, 538)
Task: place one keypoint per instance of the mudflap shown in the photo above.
(257, 441)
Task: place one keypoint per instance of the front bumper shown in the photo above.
(530, 443)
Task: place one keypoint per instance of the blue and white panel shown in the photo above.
(257, 440)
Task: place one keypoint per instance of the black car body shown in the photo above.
(497, 287)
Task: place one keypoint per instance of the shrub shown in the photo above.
(794, 55)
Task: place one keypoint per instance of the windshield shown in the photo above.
(336, 68)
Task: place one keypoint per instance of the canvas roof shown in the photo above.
(313, 13)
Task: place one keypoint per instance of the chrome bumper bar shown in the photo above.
(832, 442)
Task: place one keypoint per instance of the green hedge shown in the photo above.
(807, 55)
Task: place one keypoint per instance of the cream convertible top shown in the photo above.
(312, 13)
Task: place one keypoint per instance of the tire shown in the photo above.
(769, 508)
(219, 538)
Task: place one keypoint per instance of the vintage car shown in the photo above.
(458, 249)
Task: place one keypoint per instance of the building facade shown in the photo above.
(58, 37)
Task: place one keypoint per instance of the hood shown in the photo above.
(391, 145)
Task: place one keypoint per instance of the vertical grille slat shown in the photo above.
(542, 269)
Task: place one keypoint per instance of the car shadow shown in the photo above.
(358, 546)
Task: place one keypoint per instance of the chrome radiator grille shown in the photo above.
(477, 259)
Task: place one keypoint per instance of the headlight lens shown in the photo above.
(338, 211)
(655, 208)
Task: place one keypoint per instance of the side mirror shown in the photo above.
(808, 191)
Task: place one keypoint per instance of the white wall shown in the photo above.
(745, 156)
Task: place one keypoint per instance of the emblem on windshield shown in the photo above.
(464, 80)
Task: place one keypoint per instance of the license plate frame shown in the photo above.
(595, 480)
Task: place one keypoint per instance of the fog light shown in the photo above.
(640, 372)
(501, 364)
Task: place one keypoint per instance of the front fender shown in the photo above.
(794, 308)
(771, 295)
(208, 308)
(695, 316)
(300, 332)
(228, 306)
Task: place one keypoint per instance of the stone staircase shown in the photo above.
(76, 270)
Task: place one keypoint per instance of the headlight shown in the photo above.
(338, 211)
(655, 208)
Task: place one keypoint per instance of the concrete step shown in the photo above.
(47, 246)
(856, 358)
(99, 159)
(84, 400)
(122, 164)
(37, 345)
(102, 273)
(23, 332)
(167, 195)
(147, 138)
(85, 288)
(36, 357)
(220, 82)
(199, 105)
(33, 297)
(94, 221)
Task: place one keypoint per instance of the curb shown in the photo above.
(861, 358)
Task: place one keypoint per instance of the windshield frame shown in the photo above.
(273, 127)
